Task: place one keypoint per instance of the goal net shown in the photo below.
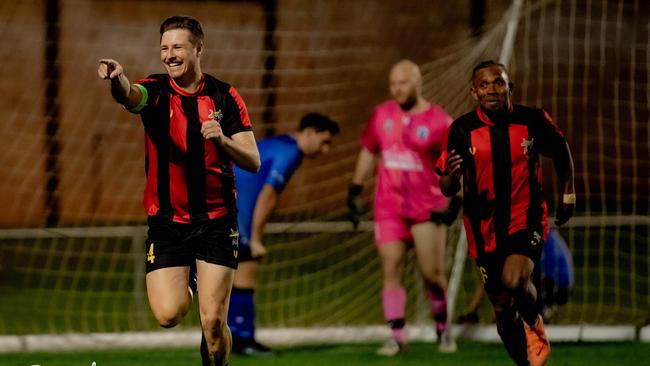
(72, 243)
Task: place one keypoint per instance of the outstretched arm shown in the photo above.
(122, 90)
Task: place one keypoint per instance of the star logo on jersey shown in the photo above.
(388, 124)
(527, 145)
(472, 150)
(217, 115)
(422, 132)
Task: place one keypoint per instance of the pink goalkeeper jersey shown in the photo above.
(409, 144)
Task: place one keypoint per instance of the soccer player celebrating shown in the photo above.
(258, 196)
(495, 152)
(196, 127)
(407, 133)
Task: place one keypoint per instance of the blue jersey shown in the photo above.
(280, 158)
(556, 262)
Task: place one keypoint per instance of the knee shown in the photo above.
(392, 268)
(435, 278)
(514, 282)
(214, 325)
(168, 317)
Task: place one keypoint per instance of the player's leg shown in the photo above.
(430, 241)
(524, 250)
(168, 261)
(169, 298)
(509, 325)
(241, 313)
(517, 273)
(215, 282)
(390, 237)
(215, 246)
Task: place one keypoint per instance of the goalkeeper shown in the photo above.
(495, 151)
(258, 196)
(407, 133)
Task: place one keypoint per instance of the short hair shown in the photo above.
(319, 123)
(184, 22)
(486, 64)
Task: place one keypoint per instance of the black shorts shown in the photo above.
(245, 254)
(170, 244)
(490, 264)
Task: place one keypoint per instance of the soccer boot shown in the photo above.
(251, 348)
(392, 348)
(537, 344)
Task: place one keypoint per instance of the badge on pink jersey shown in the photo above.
(388, 124)
(422, 132)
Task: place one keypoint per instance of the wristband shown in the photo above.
(569, 199)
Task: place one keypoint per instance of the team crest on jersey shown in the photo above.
(422, 132)
(388, 124)
(527, 145)
(217, 115)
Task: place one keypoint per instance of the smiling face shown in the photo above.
(492, 88)
(179, 55)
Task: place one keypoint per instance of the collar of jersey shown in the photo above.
(483, 117)
(183, 92)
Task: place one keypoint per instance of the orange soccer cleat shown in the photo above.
(538, 345)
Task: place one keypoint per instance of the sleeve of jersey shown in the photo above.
(284, 165)
(148, 87)
(369, 138)
(550, 136)
(441, 163)
(236, 117)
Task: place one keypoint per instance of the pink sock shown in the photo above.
(394, 300)
(438, 309)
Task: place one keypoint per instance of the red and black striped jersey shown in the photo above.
(502, 180)
(188, 178)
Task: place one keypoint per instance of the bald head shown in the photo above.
(409, 69)
(405, 82)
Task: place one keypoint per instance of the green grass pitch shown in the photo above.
(470, 353)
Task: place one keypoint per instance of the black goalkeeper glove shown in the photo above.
(448, 216)
(355, 205)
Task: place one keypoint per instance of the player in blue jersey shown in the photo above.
(257, 197)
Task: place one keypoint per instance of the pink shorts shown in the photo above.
(392, 230)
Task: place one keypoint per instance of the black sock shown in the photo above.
(527, 307)
(513, 336)
(205, 355)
